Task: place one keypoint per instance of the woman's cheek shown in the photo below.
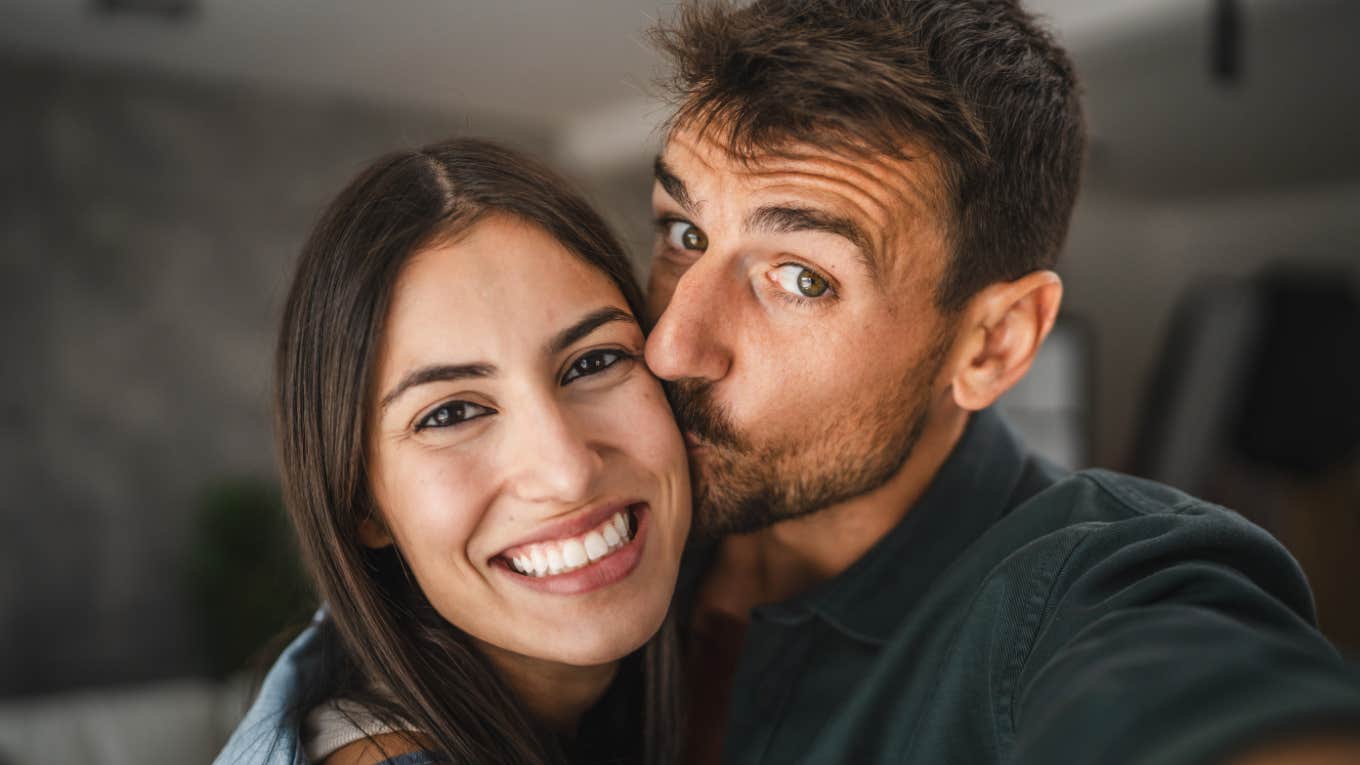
(439, 501)
(649, 422)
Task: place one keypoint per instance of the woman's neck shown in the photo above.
(556, 694)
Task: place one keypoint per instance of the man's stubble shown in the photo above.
(743, 483)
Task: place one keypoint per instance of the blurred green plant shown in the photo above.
(245, 575)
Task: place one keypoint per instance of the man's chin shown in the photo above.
(736, 506)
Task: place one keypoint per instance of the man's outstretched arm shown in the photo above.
(1182, 636)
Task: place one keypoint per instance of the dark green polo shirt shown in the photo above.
(1021, 615)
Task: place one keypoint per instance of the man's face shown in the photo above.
(796, 323)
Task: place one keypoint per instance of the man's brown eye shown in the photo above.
(800, 280)
(684, 235)
(811, 283)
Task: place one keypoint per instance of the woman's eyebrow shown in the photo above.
(560, 342)
(437, 373)
(589, 323)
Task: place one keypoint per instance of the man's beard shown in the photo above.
(742, 486)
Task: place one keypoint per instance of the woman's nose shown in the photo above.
(553, 458)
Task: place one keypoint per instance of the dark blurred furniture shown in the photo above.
(1255, 404)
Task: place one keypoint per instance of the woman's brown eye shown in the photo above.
(800, 280)
(452, 413)
(684, 235)
(592, 363)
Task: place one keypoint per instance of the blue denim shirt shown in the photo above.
(266, 736)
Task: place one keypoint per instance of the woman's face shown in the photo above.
(523, 459)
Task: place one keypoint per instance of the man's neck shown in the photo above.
(790, 557)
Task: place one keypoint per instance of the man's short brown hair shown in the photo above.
(978, 82)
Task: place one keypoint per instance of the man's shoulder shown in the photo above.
(1107, 521)
(1099, 524)
(1097, 496)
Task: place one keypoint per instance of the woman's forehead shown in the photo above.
(504, 284)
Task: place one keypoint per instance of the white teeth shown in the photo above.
(595, 546)
(573, 553)
(556, 557)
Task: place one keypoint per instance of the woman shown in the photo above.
(489, 489)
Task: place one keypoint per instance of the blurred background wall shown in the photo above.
(149, 224)
(161, 161)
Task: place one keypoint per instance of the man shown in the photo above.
(858, 208)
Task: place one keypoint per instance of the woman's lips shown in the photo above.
(557, 556)
(615, 564)
(574, 525)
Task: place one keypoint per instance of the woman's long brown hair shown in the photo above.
(380, 627)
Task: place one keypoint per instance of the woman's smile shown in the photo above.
(573, 565)
(487, 480)
(517, 423)
(573, 542)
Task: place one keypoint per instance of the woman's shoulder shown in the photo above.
(382, 749)
(346, 732)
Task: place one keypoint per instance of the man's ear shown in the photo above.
(372, 533)
(1003, 327)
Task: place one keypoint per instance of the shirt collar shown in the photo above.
(974, 488)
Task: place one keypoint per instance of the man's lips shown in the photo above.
(692, 441)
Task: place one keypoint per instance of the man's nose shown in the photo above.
(554, 457)
(690, 338)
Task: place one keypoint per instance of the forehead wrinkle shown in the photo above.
(692, 156)
(895, 201)
(846, 199)
(892, 197)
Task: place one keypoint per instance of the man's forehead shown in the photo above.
(881, 189)
(896, 202)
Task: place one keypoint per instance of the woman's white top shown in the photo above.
(337, 723)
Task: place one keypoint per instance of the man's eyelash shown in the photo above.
(664, 222)
(799, 300)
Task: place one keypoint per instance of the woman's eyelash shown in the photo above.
(452, 413)
(595, 362)
(455, 413)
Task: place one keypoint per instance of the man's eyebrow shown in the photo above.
(672, 184)
(589, 323)
(784, 219)
(437, 373)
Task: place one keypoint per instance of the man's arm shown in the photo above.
(1320, 751)
(1180, 637)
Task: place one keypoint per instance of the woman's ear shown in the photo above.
(1004, 326)
(372, 533)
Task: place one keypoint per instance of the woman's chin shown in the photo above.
(604, 643)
